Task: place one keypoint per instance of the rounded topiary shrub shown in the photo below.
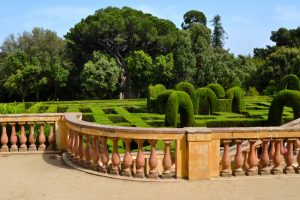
(290, 82)
(188, 88)
(161, 101)
(153, 92)
(290, 98)
(237, 95)
(218, 89)
(179, 102)
(207, 101)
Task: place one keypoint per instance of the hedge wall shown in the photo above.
(218, 89)
(188, 88)
(290, 82)
(207, 101)
(154, 91)
(236, 94)
(161, 101)
(224, 105)
(290, 98)
(179, 102)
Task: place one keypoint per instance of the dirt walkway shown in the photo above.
(40, 177)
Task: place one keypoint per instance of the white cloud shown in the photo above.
(287, 13)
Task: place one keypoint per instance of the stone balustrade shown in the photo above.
(192, 153)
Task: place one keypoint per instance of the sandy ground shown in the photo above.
(40, 177)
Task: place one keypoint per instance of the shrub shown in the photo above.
(161, 101)
(290, 98)
(154, 91)
(236, 94)
(290, 82)
(7, 109)
(179, 101)
(252, 92)
(207, 101)
(189, 88)
(224, 105)
(218, 89)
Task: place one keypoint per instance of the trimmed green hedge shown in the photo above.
(161, 101)
(236, 94)
(289, 98)
(154, 91)
(218, 89)
(189, 88)
(290, 82)
(179, 102)
(207, 101)
(224, 105)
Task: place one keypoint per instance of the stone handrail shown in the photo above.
(197, 150)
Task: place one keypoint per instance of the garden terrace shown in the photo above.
(192, 153)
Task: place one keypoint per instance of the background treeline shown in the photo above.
(118, 52)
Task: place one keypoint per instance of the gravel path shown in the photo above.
(41, 177)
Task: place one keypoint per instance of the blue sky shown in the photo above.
(248, 23)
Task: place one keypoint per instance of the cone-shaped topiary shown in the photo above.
(179, 102)
(236, 94)
(290, 98)
(207, 101)
(161, 101)
(188, 88)
(218, 89)
(153, 92)
(290, 82)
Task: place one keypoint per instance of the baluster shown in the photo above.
(32, 146)
(80, 149)
(264, 158)
(238, 159)
(226, 163)
(42, 137)
(246, 155)
(13, 138)
(115, 158)
(153, 162)
(277, 169)
(252, 159)
(296, 146)
(23, 139)
(69, 140)
(127, 160)
(4, 139)
(95, 164)
(289, 158)
(87, 153)
(51, 137)
(272, 152)
(167, 161)
(104, 155)
(140, 160)
(298, 161)
(75, 146)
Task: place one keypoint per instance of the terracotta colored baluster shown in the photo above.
(32, 146)
(167, 161)
(277, 169)
(115, 158)
(226, 163)
(13, 138)
(51, 137)
(23, 138)
(42, 137)
(4, 139)
(252, 159)
(153, 162)
(69, 140)
(238, 159)
(140, 160)
(127, 160)
(75, 147)
(264, 158)
(104, 155)
(289, 158)
(95, 164)
(296, 146)
(298, 161)
(80, 149)
(246, 155)
(87, 152)
(272, 151)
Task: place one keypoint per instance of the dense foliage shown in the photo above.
(290, 82)
(207, 101)
(217, 89)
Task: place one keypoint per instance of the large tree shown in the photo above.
(117, 32)
(193, 17)
(218, 34)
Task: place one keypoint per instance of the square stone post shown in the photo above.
(203, 154)
(61, 133)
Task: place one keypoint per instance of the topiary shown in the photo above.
(236, 94)
(179, 102)
(152, 93)
(207, 101)
(189, 88)
(290, 82)
(218, 89)
(161, 101)
(290, 98)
